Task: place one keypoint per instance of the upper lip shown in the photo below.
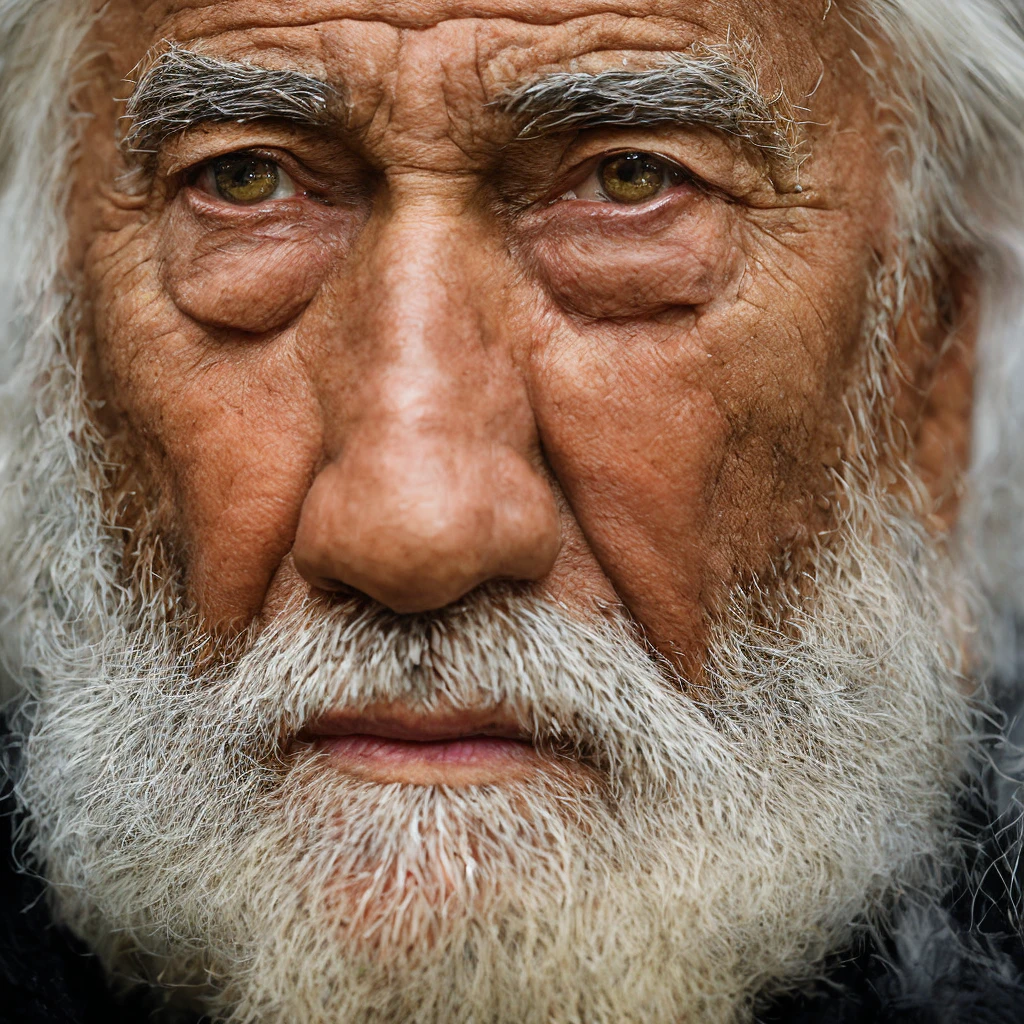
(397, 722)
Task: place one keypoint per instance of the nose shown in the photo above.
(432, 482)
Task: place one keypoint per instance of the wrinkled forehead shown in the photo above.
(475, 50)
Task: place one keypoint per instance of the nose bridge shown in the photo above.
(431, 485)
(429, 350)
(431, 319)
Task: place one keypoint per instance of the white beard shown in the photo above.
(722, 847)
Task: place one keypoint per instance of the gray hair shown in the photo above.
(180, 88)
(705, 87)
(960, 79)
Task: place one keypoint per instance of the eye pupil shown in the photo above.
(246, 179)
(633, 177)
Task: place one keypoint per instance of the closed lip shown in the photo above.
(396, 722)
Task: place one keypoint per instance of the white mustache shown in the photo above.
(589, 691)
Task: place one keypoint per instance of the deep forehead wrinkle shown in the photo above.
(211, 16)
(775, 25)
(785, 31)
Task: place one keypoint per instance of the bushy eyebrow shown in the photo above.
(703, 89)
(180, 89)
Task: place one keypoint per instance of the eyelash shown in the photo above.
(640, 167)
(257, 177)
(264, 170)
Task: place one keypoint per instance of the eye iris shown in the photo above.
(632, 177)
(246, 179)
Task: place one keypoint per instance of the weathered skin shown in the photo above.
(450, 379)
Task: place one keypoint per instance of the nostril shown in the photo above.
(332, 586)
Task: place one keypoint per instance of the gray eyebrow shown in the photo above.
(180, 89)
(696, 90)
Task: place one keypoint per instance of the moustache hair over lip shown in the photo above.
(398, 721)
(421, 649)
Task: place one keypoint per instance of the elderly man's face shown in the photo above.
(405, 352)
(501, 613)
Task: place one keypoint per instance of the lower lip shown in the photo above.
(468, 751)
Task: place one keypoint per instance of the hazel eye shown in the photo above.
(629, 179)
(633, 177)
(245, 179)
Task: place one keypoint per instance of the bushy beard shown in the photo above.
(687, 849)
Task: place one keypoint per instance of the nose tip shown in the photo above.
(421, 528)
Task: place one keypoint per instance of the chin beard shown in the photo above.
(687, 850)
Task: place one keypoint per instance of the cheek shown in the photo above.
(690, 452)
(636, 439)
(241, 438)
(244, 456)
(228, 430)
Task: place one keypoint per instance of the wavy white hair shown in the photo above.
(960, 98)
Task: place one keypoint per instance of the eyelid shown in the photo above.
(592, 165)
(304, 181)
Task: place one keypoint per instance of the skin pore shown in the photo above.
(436, 355)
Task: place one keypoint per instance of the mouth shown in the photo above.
(395, 744)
